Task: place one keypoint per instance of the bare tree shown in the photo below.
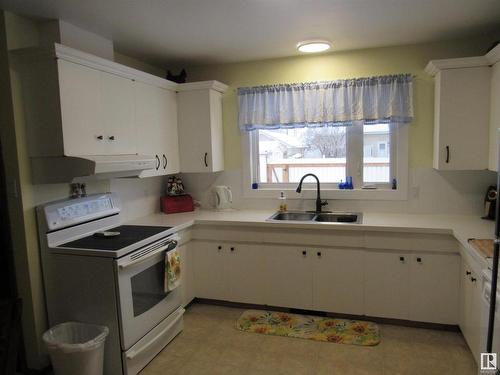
(328, 140)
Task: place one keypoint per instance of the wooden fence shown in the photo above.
(328, 172)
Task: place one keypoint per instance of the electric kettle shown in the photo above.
(223, 197)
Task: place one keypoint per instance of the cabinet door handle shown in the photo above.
(100, 137)
(205, 159)
(473, 279)
(232, 248)
(467, 273)
(111, 137)
(158, 163)
(165, 161)
(304, 252)
(318, 254)
(402, 259)
(447, 154)
(219, 248)
(419, 260)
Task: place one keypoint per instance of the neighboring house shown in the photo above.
(376, 142)
(276, 145)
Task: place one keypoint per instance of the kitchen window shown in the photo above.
(368, 153)
(335, 129)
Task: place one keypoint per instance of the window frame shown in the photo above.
(399, 153)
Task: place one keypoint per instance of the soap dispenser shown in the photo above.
(283, 206)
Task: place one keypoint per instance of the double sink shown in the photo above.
(318, 217)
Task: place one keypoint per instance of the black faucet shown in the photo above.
(319, 203)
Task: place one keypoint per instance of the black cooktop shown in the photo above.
(129, 234)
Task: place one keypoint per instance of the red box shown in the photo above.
(175, 204)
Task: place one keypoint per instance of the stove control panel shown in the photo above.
(70, 212)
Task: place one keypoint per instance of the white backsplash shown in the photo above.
(139, 196)
(430, 191)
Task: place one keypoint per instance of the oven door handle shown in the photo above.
(135, 353)
(170, 245)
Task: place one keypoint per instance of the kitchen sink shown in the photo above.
(293, 216)
(319, 217)
(340, 217)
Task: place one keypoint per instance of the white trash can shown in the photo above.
(76, 348)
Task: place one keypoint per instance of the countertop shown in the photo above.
(462, 227)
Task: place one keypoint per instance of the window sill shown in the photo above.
(355, 194)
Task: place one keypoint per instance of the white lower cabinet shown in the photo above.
(434, 281)
(387, 284)
(419, 287)
(187, 281)
(470, 307)
(209, 278)
(230, 272)
(337, 280)
(288, 277)
(244, 266)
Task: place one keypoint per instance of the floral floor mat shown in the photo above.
(342, 331)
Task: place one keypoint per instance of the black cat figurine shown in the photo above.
(180, 78)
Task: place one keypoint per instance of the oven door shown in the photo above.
(143, 303)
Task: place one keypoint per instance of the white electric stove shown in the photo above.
(99, 271)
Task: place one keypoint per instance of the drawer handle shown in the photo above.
(165, 161)
(319, 254)
(447, 154)
(402, 259)
(111, 137)
(158, 162)
(467, 273)
(219, 248)
(304, 252)
(419, 260)
(100, 137)
(135, 353)
(473, 279)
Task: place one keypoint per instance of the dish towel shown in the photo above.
(172, 270)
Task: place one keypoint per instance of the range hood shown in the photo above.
(62, 169)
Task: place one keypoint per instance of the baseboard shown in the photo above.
(398, 322)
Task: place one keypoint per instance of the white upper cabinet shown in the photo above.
(117, 108)
(461, 118)
(97, 110)
(80, 96)
(78, 104)
(200, 126)
(466, 112)
(156, 127)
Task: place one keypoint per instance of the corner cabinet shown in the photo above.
(461, 114)
(201, 146)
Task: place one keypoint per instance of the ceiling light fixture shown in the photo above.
(312, 46)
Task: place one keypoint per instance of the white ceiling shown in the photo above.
(207, 31)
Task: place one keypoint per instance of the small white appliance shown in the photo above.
(223, 198)
(98, 271)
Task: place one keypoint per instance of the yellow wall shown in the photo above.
(138, 64)
(340, 65)
(22, 32)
